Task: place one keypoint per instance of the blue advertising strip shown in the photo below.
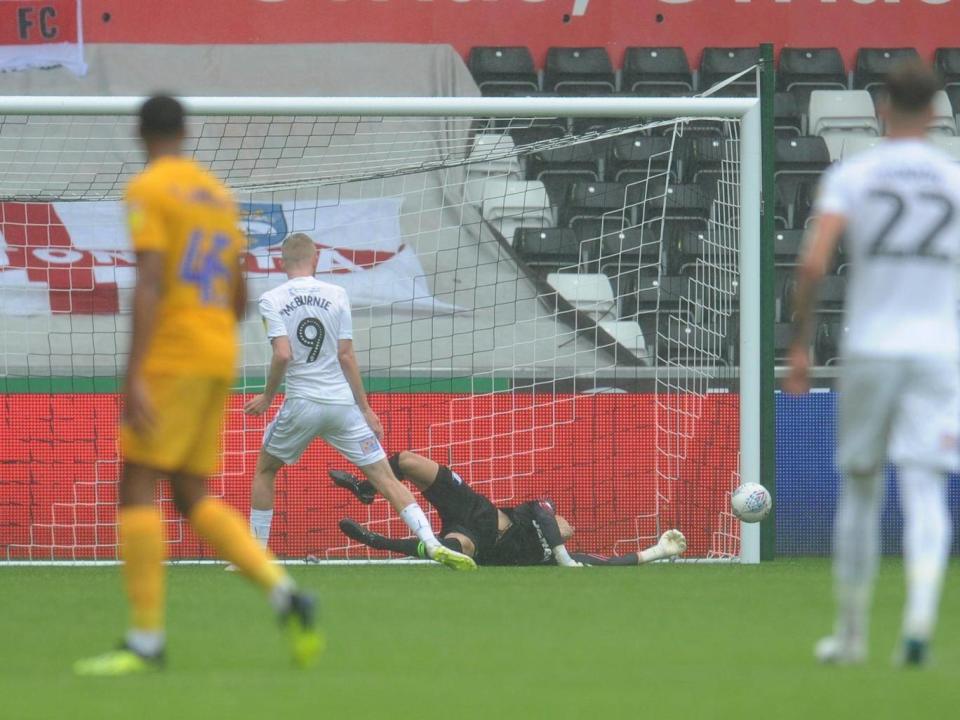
(808, 482)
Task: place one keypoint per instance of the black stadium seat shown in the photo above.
(636, 157)
(628, 248)
(829, 337)
(798, 160)
(590, 200)
(874, 64)
(503, 70)
(719, 64)
(803, 70)
(579, 71)
(559, 168)
(786, 116)
(786, 247)
(547, 247)
(530, 130)
(657, 71)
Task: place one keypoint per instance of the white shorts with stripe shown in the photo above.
(901, 410)
(300, 421)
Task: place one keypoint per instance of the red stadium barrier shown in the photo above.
(538, 24)
(59, 469)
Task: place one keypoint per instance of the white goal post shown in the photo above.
(744, 111)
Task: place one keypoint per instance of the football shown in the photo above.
(751, 502)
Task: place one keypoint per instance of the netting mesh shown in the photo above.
(548, 305)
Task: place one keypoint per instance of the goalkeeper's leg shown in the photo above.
(412, 547)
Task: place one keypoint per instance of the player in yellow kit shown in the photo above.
(190, 292)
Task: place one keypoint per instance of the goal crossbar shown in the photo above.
(392, 106)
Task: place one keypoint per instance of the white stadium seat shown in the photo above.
(590, 293)
(503, 162)
(944, 123)
(837, 114)
(854, 144)
(512, 204)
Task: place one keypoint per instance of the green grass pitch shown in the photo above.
(669, 641)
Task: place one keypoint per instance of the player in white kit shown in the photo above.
(309, 325)
(898, 208)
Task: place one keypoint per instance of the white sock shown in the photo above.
(145, 642)
(655, 552)
(563, 557)
(260, 521)
(926, 547)
(413, 516)
(280, 593)
(856, 552)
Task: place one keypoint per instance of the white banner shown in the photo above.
(41, 34)
(76, 258)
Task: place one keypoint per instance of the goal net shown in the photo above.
(548, 295)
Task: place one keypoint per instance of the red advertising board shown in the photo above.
(539, 24)
(596, 458)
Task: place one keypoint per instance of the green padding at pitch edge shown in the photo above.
(374, 384)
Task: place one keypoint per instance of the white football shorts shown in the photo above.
(902, 410)
(342, 427)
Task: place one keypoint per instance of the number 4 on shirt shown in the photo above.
(203, 266)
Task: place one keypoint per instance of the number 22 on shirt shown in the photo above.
(205, 266)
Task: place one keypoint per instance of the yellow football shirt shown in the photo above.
(177, 208)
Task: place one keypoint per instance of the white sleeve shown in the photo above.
(346, 319)
(835, 196)
(272, 321)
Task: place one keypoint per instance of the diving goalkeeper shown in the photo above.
(528, 534)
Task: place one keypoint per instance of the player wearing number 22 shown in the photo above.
(189, 295)
(897, 209)
(310, 328)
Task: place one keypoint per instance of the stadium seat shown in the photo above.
(509, 204)
(629, 247)
(719, 64)
(493, 154)
(525, 131)
(591, 200)
(548, 247)
(836, 114)
(947, 63)
(830, 296)
(638, 157)
(782, 341)
(874, 64)
(629, 334)
(949, 145)
(664, 292)
(804, 197)
(787, 118)
(558, 168)
(854, 144)
(786, 247)
(706, 163)
(827, 342)
(680, 202)
(686, 248)
(656, 71)
(803, 70)
(796, 160)
(503, 70)
(590, 293)
(944, 122)
(579, 71)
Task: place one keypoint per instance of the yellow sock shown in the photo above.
(222, 527)
(143, 550)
